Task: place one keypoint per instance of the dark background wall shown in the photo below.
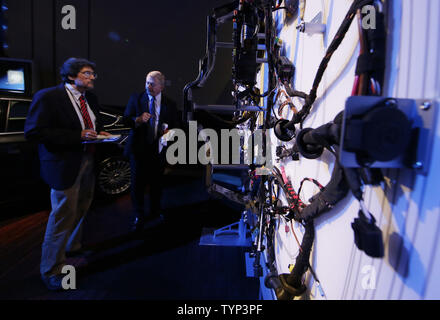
(125, 38)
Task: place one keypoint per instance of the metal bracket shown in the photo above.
(235, 234)
(312, 27)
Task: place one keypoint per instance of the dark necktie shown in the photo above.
(85, 114)
(153, 114)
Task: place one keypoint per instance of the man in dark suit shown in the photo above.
(60, 119)
(150, 114)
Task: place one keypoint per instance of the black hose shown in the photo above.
(332, 193)
(302, 260)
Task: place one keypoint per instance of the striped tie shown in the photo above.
(85, 114)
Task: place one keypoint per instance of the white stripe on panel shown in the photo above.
(400, 204)
(425, 241)
(416, 270)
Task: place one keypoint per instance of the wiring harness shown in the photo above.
(254, 43)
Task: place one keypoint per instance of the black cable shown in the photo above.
(227, 122)
(311, 97)
(279, 8)
(294, 93)
(294, 279)
(269, 44)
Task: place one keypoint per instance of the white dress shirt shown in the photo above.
(157, 102)
(74, 95)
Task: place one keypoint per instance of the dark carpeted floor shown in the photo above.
(164, 263)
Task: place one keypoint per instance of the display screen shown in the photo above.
(15, 76)
(12, 80)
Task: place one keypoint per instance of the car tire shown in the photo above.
(114, 176)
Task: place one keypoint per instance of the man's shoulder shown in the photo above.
(138, 94)
(49, 92)
(135, 96)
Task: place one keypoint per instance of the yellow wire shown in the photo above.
(302, 9)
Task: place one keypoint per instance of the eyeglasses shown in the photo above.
(88, 74)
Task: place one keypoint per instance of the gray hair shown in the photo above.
(157, 75)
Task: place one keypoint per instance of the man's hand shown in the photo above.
(88, 134)
(104, 133)
(143, 118)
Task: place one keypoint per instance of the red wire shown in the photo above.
(355, 86)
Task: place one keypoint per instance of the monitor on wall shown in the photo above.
(15, 77)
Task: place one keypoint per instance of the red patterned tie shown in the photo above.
(90, 148)
(85, 114)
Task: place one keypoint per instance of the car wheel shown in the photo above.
(113, 176)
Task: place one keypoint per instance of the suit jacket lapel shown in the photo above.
(94, 105)
(143, 103)
(162, 115)
(68, 107)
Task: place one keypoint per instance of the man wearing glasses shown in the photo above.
(150, 114)
(60, 120)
